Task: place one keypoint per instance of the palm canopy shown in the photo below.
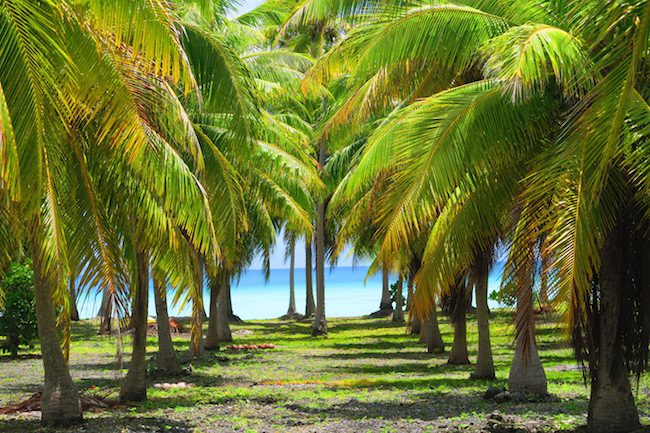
(104, 94)
(525, 107)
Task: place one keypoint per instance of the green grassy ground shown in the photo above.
(368, 376)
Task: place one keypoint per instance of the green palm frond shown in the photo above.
(529, 57)
(9, 158)
(225, 83)
(148, 27)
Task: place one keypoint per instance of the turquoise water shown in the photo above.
(346, 294)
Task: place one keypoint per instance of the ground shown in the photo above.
(368, 376)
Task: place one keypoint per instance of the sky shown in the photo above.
(278, 261)
(247, 5)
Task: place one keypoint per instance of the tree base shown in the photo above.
(482, 376)
(379, 314)
(319, 329)
(458, 361)
(291, 316)
(60, 410)
(235, 319)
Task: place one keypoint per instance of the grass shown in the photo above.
(367, 376)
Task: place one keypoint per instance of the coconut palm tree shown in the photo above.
(542, 77)
(85, 94)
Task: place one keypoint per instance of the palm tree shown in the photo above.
(77, 189)
(549, 71)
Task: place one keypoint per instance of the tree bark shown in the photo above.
(526, 373)
(310, 306)
(105, 313)
(415, 325)
(484, 368)
(232, 317)
(611, 405)
(60, 404)
(459, 354)
(223, 325)
(134, 385)
(385, 304)
(430, 333)
(291, 311)
(398, 313)
(212, 337)
(72, 290)
(166, 359)
(319, 326)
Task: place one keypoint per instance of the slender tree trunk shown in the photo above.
(310, 304)
(74, 311)
(543, 286)
(319, 327)
(166, 359)
(134, 385)
(212, 337)
(484, 363)
(291, 311)
(60, 405)
(430, 333)
(415, 325)
(409, 293)
(232, 317)
(105, 313)
(611, 406)
(398, 313)
(526, 373)
(459, 354)
(385, 304)
(223, 326)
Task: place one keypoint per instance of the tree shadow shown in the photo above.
(106, 422)
(434, 405)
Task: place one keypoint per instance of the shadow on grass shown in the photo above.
(432, 405)
(106, 423)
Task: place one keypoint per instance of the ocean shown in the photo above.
(347, 294)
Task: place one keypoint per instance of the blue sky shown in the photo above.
(247, 5)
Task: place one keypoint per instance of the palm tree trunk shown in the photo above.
(72, 291)
(291, 311)
(526, 373)
(212, 337)
(385, 304)
(105, 313)
(430, 333)
(134, 385)
(319, 326)
(484, 363)
(223, 326)
(415, 325)
(398, 313)
(232, 317)
(166, 359)
(611, 406)
(459, 354)
(60, 404)
(309, 305)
